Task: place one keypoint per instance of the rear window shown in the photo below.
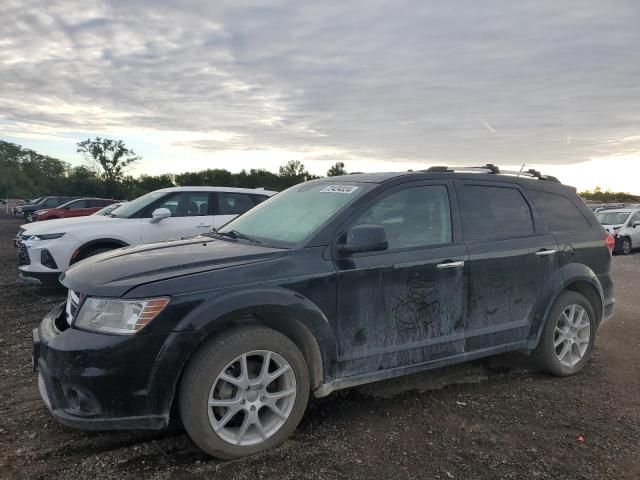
(558, 212)
(494, 213)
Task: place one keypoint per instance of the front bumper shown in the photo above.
(98, 381)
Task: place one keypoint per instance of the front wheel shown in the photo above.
(244, 392)
(625, 246)
(568, 335)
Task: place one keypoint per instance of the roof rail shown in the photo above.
(494, 170)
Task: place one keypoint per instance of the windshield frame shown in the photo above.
(605, 212)
(312, 238)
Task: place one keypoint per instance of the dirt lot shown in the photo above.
(501, 419)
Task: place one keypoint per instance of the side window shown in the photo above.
(79, 204)
(415, 217)
(259, 198)
(558, 212)
(96, 203)
(186, 204)
(494, 213)
(51, 202)
(234, 203)
(634, 218)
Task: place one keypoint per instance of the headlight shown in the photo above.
(124, 317)
(47, 236)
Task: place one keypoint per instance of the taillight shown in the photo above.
(610, 242)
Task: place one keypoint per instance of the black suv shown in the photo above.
(28, 210)
(333, 283)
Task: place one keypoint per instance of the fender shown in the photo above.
(275, 306)
(559, 281)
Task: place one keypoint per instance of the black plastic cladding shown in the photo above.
(357, 318)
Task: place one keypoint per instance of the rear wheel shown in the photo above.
(244, 392)
(568, 336)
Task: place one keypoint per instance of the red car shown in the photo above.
(80, 207)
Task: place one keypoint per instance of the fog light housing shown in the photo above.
(80, 402)
(47, 260)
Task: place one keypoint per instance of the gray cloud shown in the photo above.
(459, 81)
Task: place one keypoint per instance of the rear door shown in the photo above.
(634, 232)
(405, 305)
(229, 205)
(189, 216)
(511, 257)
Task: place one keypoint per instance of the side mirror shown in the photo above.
(365, 238)
(636, 224)
(160, 213)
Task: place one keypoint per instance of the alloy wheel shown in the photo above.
(252, 398)
(572, 335)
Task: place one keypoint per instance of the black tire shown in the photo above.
(626, 247)
(91, 252)
(545, 353)
(208, 363)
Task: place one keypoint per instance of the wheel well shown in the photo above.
(590, 293)
(80, 253)
(289, 326)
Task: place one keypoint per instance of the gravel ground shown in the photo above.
(497, 418)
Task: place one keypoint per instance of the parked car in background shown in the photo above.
(624, 225)
(28, 210)
(330, 284)
(46, 249)
(80, 207)
(109, 208)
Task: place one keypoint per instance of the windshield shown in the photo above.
(293, 215)
(134, 206)
(612, 218)
(108, 209)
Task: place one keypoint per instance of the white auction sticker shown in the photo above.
(339, 189)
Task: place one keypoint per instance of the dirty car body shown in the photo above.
(448, 282)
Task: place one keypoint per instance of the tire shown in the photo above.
(626, 246)
(549, 356)
(92, 252)
(202, 384)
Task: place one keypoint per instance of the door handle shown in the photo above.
(450, 265)
(545, 253)
(202, 225)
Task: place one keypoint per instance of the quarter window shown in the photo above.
(494, 213)
(415, 217)
(558, 212)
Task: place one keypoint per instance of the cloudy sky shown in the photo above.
(379, 85)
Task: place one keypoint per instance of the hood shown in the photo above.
(114, 273)
(65, 225)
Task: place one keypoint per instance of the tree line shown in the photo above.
(25, 173)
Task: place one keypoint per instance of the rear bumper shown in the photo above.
(97, 381)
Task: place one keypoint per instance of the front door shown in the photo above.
(511, 258)
(404, 305)
(189, 216)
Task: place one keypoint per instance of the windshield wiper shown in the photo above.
(235, 234)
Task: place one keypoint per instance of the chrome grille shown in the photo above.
(23, 255)
(73, 300)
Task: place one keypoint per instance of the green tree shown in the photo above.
(109, 158)
(293, 169)
(336, 170)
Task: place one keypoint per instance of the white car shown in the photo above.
(624, 225)
(46, 249)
